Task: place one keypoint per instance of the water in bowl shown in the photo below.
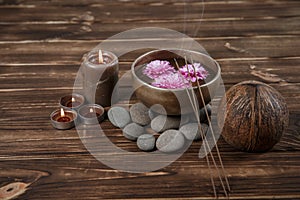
(181, 62)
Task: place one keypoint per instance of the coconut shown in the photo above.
(254, 116)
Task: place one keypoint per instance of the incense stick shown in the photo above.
(200, 127)
(205, 142)
(193, 102)
(212, 157)
(212, 131)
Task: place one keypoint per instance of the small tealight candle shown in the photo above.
(63, 119)
(91, 114)
(73, 101)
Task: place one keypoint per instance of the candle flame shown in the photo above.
(73, 99)
(91, 110)
(100, 57)
(62, 112)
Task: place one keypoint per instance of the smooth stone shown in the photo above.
(140, 114)
(162, 123)
(132, 131)
(156, 110)
(170, 141)
(119, 116)
(191, 131)
(184, 119)
(146, 142)
(152, 114)
(202, 114)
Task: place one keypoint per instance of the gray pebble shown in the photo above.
(191, 131)
(133, 131)
(140, 114)
(146, 142)
(152, 114)
(184, 119)
(170, 141)
(163, 122)
(119, 116)
(202, 114)
(156, 110)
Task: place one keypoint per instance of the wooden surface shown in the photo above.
(41, 45)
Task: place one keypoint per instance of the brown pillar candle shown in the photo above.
(100, 70)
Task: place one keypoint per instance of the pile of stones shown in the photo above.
(153, 130)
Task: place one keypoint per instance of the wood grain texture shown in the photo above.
(41, 46)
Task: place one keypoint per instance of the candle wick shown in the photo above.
(101, 61)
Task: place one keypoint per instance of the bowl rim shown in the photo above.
(216, 77)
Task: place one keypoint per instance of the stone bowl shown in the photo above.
(175, 101)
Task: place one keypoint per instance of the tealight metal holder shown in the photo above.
(91, 114)
(55, 117)
(72, 101)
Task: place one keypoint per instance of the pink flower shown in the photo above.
(171, 81)
(188, 71)
(157, 68)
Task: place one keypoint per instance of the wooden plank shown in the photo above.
(151, 2)
(103, 30)
(70, 52)
(141, 10)
(91, 2)
(80, 27)
(84, 173)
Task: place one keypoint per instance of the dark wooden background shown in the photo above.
(41, 45)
